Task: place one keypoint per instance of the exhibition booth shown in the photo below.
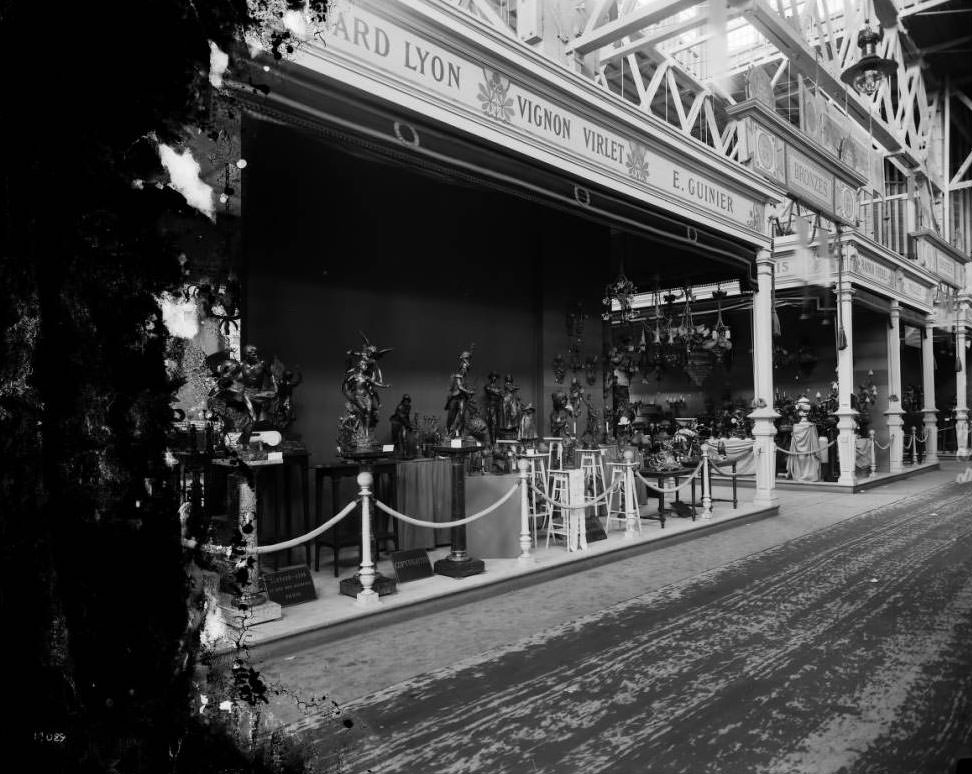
(478, 292)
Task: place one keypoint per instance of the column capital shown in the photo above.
(764, 257)
(846, 293)
(894, 306)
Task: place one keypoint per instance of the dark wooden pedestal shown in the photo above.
(458, 564)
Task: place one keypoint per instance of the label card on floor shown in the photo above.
(290, 585)
(412, 564)
(594, 528)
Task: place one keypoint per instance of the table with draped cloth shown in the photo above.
(424, 490)
(862, 456)
(738, 450)
(807, 452)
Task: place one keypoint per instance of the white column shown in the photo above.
(961, 386)
(630, 511)
(367, 597)
(763, 414)
(706, 484)
(846, 416)
(523, 468)
(894, 412)
(928, 386)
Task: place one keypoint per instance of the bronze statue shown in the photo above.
(494, 405)
(560, 415)
(284, 413)
(458, 395)
(512, 407)
(576, 396)
(228, 400)
(257, 383)
(528, 425)
(401, 422)
(360, 388)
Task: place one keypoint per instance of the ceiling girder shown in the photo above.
(806, 62)
(615, 30)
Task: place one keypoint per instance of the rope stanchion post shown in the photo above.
(873, 452)
(523, 466)
(914, 445)
(251, 606)
(706, 485)
(367, 597)
(250, 592)
(630, 514)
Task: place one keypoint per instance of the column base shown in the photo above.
(895, 440)
(253, 615)
(847, 446)
(931, 434)
(962, 432)
(461, 568)
(351, 587)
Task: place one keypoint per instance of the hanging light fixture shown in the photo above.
(866, 74)
(621, 291)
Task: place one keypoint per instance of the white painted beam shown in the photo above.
(886, 12)
(608, 55)
(613, 31)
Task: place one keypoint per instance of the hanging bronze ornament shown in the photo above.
(698, 366)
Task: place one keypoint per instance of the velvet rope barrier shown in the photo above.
(804, 453)
(725, 471)
(273, 547)
(445, 524)
(586, 504)
(674, 489)
(883, 447)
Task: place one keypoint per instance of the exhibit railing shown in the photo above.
(911, 442)
(247, 546)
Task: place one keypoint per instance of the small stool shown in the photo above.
(538, 480)
(592, 463)
(559, 491)
(555, 451)
(616, 500)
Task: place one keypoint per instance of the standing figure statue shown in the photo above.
(458, 395)
(401, 422)
(528, 425)
(494, 406)
(560, 416)
(284, 412)
(512, 408)
(257, 383)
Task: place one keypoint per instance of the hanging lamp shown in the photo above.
(867, 73)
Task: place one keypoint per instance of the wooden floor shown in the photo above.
(844, 650)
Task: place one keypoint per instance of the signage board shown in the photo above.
(411, 564)
(914, 289)
(936, 258)
(840, 136)
(759, 87)
(808, 180)
(775, 154)
(875, 270)
(487, 93)
(289, 585)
